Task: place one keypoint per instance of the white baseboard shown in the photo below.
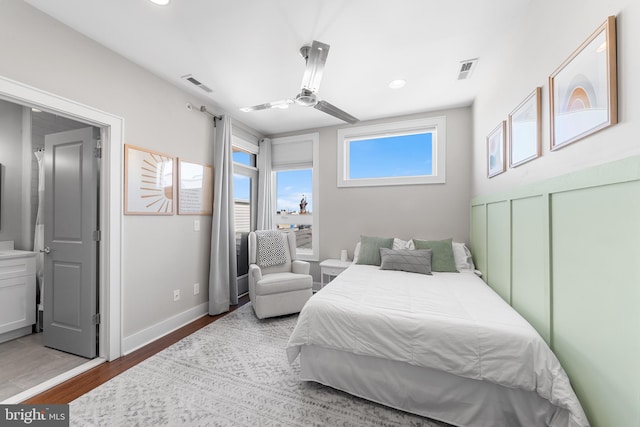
(152, 333)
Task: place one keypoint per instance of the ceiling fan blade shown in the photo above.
(315, 66)
(334, 111)
(275, 104)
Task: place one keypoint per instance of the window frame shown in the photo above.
(312, 219)
(434, 125)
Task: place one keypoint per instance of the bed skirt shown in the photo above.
(428, 392)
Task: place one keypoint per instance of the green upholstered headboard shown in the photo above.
(565, 253)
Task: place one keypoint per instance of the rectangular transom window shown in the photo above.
(398, 153)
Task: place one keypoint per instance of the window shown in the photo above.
(245, 177)
(243, 157)
(399, 153)
(294, 162)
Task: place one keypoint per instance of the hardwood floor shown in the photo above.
(87, 381)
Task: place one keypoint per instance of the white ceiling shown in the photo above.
(247, 50)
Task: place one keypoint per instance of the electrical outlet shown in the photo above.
(196, 225)
(176, 295)
(196, 288)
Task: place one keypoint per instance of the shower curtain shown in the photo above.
(38, 239)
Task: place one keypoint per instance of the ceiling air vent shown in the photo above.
(196, 82)
(466, 68)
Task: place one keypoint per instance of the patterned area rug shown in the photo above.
(233, 372)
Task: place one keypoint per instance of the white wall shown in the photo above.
(551, 31)
(160, 254)
(11, 180)
(435, 211)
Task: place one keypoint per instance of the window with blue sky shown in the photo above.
(394, 153)
(291, 187)
(401, 155)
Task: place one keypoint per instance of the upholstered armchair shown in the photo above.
(279, 284)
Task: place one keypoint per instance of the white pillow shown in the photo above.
(462, 257)
(402, 244)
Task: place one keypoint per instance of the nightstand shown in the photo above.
(331, 268)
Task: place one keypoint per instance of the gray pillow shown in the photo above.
(413, 261)
(370, 249)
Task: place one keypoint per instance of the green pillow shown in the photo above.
(442, 254)
(370, 249)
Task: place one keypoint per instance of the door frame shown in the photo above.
(109, 263)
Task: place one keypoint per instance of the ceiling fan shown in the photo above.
(315, 57)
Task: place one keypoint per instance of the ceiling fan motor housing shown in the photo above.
(306, 98)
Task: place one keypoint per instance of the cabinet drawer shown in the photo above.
(17, 267)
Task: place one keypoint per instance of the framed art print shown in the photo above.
(583, 90)
(195, 188)
(495, 150)
(148, 182)
(525, 130)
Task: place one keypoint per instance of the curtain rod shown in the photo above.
(215, 117)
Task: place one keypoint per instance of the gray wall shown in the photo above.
(423, 211)
(11, 159)
(551, 32)
(160, 254)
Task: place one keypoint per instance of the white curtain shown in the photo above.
(38, 239)
(265, 208)
(223, 281)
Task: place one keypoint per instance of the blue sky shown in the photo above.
(405, 155)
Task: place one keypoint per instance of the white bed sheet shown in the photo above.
(448, 321)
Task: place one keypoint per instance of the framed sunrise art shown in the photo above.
(496, 163)
(148, 182)
(195, 188)
(525, 130)
(583, 90)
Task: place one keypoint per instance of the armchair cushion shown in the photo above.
(283, 282)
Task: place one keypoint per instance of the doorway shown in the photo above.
(54, 218)
(110, 211)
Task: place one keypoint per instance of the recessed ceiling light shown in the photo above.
(397, 84)
(160, 2)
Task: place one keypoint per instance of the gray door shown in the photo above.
(70, 239)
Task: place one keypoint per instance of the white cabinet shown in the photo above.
(17, 293)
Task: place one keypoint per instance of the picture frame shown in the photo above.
(583, 90)
(525, 130)
(496, 162)
(195, 188)
(148, 182)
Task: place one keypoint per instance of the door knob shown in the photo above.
(46, 250)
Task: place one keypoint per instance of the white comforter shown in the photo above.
(449, 321)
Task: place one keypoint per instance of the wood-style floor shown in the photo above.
(87, 381)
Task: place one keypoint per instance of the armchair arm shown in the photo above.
(254, 272)
(300, 267)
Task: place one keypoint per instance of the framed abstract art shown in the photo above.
(525, 130)
(496, 163)
(583, 90)
(148, 182)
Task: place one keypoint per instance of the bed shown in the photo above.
(444, 346)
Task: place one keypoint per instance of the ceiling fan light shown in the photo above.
(397, 84)
(160, 2)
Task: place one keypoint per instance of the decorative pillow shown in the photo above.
(462, 256)
(400, 244)
(442, 259)
(369, 253)
(413, 261)
(356, 253)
